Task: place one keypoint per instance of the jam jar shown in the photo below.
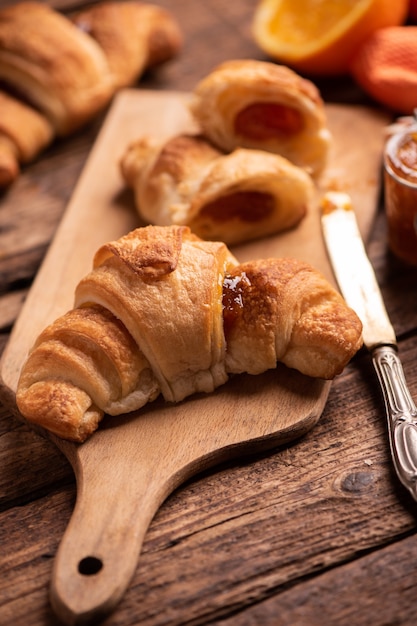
(400, 189)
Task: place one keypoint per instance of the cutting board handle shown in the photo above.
(116, 501)
(130, 465)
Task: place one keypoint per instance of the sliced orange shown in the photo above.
(319, 37)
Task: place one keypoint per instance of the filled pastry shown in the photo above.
(262, 105)
(234, 197)
(66, 70)
(163, 312)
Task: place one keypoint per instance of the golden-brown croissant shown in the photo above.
(262, 105)
(23, 133)
(133, 36)
(163, 312)
(67, 70)
(234, 197)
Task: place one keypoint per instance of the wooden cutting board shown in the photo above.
(132, 463)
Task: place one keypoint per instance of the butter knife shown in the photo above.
(358, 285)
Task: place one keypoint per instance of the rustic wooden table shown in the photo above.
(317, 532)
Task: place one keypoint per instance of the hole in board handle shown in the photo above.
(90, 565)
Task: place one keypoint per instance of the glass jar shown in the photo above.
(400, 188)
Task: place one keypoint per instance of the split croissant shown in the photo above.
(264, 106)
(248, 173)
(233, 197)
(163, 312)
(57, 72)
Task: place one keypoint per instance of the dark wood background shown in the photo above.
(318, 532)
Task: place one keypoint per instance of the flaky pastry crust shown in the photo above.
(133, 36)
(55, 66)
(262, 105)
(23, 132)
(234, 197)
(163, 312)
(67, 70)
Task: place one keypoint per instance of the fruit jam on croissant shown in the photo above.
(261, 105)
(163, 312)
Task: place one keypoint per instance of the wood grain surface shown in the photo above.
(316, 531)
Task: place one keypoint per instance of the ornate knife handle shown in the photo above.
(401, 415)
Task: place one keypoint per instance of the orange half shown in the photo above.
(319, 37)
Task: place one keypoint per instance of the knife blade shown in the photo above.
(359, 287)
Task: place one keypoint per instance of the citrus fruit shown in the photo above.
(319, 37)
(385, 67)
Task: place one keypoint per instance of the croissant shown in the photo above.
(133, 36)
(67, 70)
(261, 105)
(23, 133)
(232, 197)
(163, 312)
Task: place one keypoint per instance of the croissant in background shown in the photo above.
(163, 312)
(232, 197)
(57, 73)
(265, 106)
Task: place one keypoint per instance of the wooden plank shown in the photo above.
(374, 590)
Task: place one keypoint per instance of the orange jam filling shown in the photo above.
(404, 162)
(247, 206)
(265, 120)
(401, 195)
(233, 294)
